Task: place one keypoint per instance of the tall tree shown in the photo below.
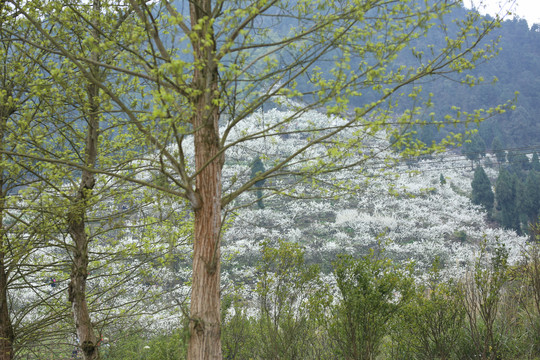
(19, 223)
(257, 168)
(474, 148)
(7, 108)
(530, 200)
(73, 129)
(505, 194)
(203, 67)
(76, 129)
(535, 162)
(77, 213)
(482, 194)
(497, 148)
(519, 161)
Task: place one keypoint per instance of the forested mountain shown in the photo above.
(516, 69)
(497, 79)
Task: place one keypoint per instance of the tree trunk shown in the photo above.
(205, 322)
(88, 342)
(7, 336)
(77, 287)
(79, 269)
(6, 330)
(79, 273)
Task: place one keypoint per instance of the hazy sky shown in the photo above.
(527, 9)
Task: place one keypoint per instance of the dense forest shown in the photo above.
(512, 70)
(267, 179)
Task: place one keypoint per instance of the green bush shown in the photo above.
(374, 291)
(238, 329)
(432, 324)
(482, 298)
(140, 346)
(292, 299)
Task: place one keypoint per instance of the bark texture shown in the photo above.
(77, 287)
(205, 322)
(7, 335)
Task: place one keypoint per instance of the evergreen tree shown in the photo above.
(519, 161)
(257, 168)
(520, 125)
(427, 134)
(482, 194)
(505, 194)
(442, 179)
(474, 148)
(363, 317)
(530, 198)
(497, 148)
(535, 163)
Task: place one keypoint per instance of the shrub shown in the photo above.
(432, 323)
(373, 292)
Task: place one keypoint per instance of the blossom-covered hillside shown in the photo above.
(417, 214)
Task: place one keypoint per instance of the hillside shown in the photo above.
(407, 207)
